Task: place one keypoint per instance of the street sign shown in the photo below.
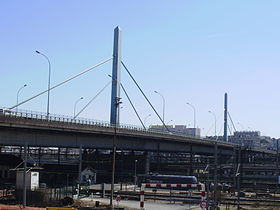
(118, 198)
(203, 204)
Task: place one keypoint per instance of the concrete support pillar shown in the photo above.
(58, 155)
(39, 156)
(66, 153)
(220, 165)
(147, 163)
(158, 159)
(191, 161)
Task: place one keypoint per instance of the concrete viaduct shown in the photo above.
(16, 129)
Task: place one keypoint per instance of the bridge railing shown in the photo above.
(34, 115)
(26, 114)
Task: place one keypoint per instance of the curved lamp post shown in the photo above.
(149, 115)
(194, 126)
(215, 121)
(18, 94)
(163, 105)
(49, 82)
(76, 105)
(169, 122)
(242, 127)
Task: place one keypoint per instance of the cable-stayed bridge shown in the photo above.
(22, 128)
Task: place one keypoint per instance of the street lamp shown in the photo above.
(75, 106)
(215, 121)
(49, 82)
(241, 126)
(18, 94)
(135, 173)
(149, 115)
(169, 122)
(193, 113)
(163, 105)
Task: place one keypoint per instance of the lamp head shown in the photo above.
(37, 52)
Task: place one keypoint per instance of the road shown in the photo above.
(148, 205)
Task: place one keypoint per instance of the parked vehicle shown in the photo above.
(168, 179)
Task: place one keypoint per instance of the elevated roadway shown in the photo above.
(36, 130)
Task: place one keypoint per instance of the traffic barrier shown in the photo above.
(60, 208)
(144, 185)
(10, 207)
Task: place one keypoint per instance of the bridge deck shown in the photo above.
(37, 130)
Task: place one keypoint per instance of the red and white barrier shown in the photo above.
(142, 191)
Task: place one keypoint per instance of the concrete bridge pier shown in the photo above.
(39, 156)
(191, 161)
(158, 159)
(147, 163)
(58, 155)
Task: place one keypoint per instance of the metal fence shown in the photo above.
(34, 115)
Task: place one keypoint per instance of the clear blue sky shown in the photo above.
(189, 50)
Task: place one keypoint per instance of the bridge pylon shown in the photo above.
(116, 81)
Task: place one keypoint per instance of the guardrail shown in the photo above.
(81, 121)
(27, 114)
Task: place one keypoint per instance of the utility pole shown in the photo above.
(234, 169)
(277, 162)
(191, 161)
(113, 169)
(208, 181)
(215, 173)
(238, 174)
(225, 118)
(24, 174)
(80, 162)
(80, 168)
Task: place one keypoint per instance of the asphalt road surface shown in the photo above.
(149, 205)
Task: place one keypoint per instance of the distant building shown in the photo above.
(89, 175)
(246, 138)
(250, 139)
(177, 129)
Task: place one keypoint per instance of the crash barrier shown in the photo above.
(145, 185)
(10, 207)
(60, 208)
